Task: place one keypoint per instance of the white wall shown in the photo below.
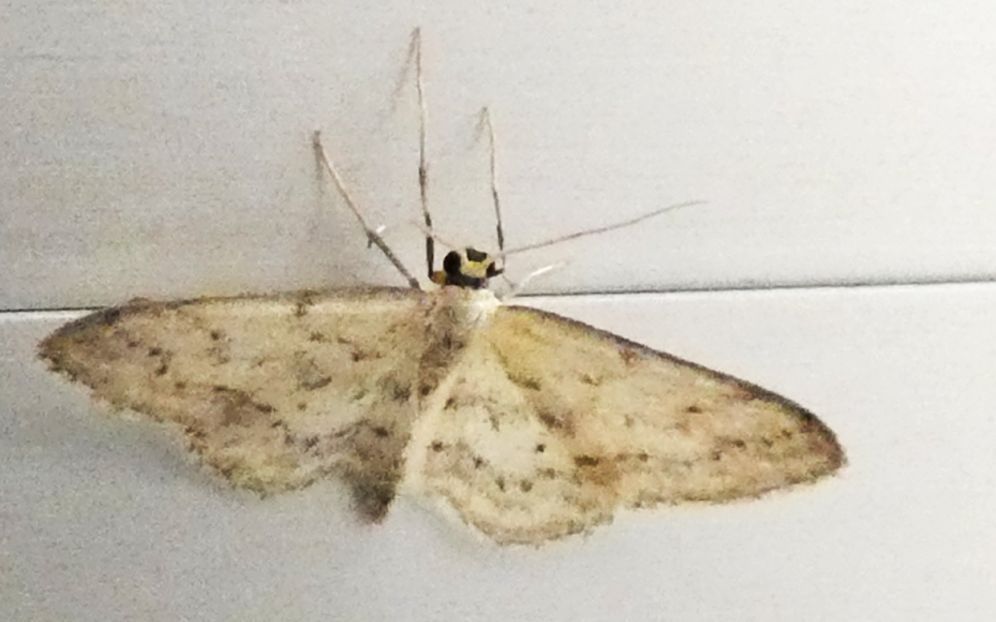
(161, 148)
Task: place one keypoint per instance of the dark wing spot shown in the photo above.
(436, 446)
(372, 497)
(540, 448)
(549, 420)
(739, 444)
(555, 422)
(155, 351)
(525, 382)
(478, 462)
(110, 316)
(525, 485)
(216, 335)
(589, 379)
(309, 375)
(194, 432)
(643, 456)
(401, 392)
(500, 481)
(312, 384)
(162, 369)
(628, 355)
(219, 355)
(180, 385)
(236, 405)
(450, 403)
(586, 461)
(381, 431)
(693, 409)
(744, 394)
(305, 300)
(302, 405)
(450, 343)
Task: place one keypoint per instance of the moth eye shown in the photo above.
(451, 263)
(475, 255)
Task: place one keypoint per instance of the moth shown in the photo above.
(527, 425)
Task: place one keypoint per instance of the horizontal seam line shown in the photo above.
(884, 284)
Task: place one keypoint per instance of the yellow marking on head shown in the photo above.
(476, 269)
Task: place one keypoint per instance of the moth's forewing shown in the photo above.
(272, 391)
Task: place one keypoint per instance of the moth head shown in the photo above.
(470, 269)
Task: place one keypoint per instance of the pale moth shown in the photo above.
(528, 425)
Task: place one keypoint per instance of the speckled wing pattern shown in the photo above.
(547, 426)
(529, 425)
(272, 391)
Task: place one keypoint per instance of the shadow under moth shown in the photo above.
(529, 425)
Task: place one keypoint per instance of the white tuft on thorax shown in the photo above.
(481, 304)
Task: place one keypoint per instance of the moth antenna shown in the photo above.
(517, 288)
(373, 237)
(604, 229)
(487, 124)
(423, 167)
(402, 80)
(429, 233)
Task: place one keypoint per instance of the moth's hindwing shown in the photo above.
(549, 425)
(273, 391)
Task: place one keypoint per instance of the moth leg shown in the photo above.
(373, 237)
(423, 167)
(517, 288)
(493, 168)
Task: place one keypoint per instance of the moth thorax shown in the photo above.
(481, 305)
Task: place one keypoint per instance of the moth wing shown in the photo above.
(272, 391)
(549, 425)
